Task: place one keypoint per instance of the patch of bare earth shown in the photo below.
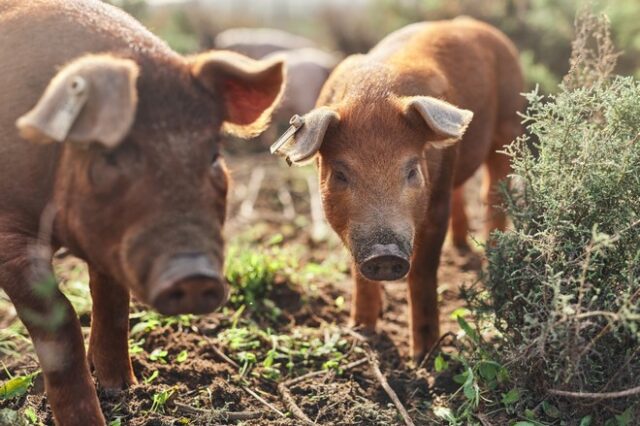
(269, 199)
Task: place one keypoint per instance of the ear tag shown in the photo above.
(78, 94)
(296, 123)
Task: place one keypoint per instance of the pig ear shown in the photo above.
(93, 99)
(302, 141)
(447, 121)
(249, 89)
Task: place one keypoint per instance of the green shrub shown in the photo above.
(564, 283)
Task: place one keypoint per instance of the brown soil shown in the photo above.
(205, 380)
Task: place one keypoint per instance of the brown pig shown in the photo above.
(396, 133)
(108, 139)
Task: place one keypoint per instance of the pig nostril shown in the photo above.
(176, 295)
(210, 294)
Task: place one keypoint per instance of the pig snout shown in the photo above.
(382, 255)
(385, 262)
(187, 283)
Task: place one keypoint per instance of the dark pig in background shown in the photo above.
(108, 139)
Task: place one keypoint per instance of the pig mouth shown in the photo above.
(187, 284)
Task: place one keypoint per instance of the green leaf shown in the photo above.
(624, 419)
(17, 386)
(440, 364)
(31, 415)
(460, 312)
(182, 356)
(586, 421)
(550, 410)
(488, 370)
(158, 354)
(460, 378)
(524, 423)
(511, 397)
(115, 422)
(445, 413)
(152, 377)
(470, 390)
(467, 329)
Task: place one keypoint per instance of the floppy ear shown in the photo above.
(249, 90)
(302, 141)
(447, 121)
(93, 99)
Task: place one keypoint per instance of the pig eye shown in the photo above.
(340, 177)
(413, 176)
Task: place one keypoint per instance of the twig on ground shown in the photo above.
(375, 366)
(263, 401)
(224, 357)
(596, 395)
(288, 209)
(291, 405)
(483, 419)
(355, 334)
(253, 189)
(307, 376)
(435, 346)
(318, 226)
(220, 414)
(234, 364)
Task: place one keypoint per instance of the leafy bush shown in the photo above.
(564, 283)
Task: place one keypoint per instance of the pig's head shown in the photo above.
(374, 172)
(139, 185)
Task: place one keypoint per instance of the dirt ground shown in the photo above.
(269, 198)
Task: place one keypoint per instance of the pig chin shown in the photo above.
(383, 256)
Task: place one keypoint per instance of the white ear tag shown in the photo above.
(62, 122)
(296, 123)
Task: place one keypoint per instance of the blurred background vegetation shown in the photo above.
(542, 29)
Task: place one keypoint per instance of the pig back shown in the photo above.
(37, 38)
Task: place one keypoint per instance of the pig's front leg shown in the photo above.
(109, 341)
(55, 331)
(423, 279)
(367, 301)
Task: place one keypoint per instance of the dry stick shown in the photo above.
(433, 348)
(483, 419)
(318, 227)
(288, 209)
(596, 395)
(285, 393)
(253, 189)
(225, 415)
(234, 364)
(375, 366)
(262, 400)
(307, 376)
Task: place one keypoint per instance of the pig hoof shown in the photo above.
(116, 385)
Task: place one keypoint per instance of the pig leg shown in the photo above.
(55, 331)
(109, 341)
(367, 301)
(497, 169)
(424, 320)
(459, 223)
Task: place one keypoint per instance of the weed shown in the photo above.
(160, 400)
